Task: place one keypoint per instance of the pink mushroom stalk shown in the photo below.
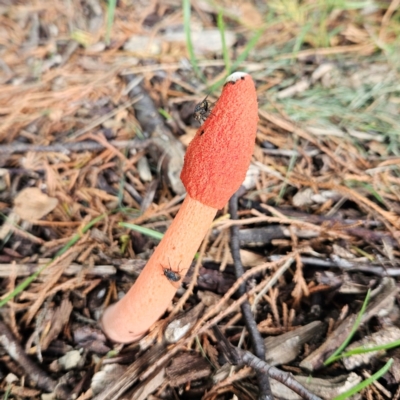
(215, 165)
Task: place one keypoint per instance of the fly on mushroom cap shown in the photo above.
(170, 274)
(216, 164)
(202, 110)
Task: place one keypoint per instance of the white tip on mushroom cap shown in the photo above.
(235, 76)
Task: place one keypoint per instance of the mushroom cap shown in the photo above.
(219, 155)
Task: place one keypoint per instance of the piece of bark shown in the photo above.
(210, 299)
(24, 392)
(205, 41)
(249, 258)
(122, 382)
(31, 204)
(285, 348)
(257, 237)
(345, 283)
(150, 385)
(187, 367)
(214, 281)
(382, 301)
(71, 360)
(90, 338)
(394, 377)
(104, 378)
(59, 319)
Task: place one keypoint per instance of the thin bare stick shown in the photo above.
(242, 357)
(66, 148)
(251, 324)
(17, 353)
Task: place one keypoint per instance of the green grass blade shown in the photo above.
(110, 18)
(148, 232)
(7, 392)
(362, 385)
(242, 57)
(354, 184)
(203, 353)
(165, 114)
(363, 350)
(189, 43)
(300, 38)
(144, 231)
(225, 50)
(249, 46)
(357, 322)
(292, 163)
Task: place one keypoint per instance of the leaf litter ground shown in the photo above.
(92, 135)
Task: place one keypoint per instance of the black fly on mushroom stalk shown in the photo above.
(170, 274)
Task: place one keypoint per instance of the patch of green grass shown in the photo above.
(313, 19)
(352, 102)
(360, 96)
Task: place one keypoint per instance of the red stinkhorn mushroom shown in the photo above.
(215, 165)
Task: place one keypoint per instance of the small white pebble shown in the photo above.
(11, 378)
(70, 360)
(175, 331)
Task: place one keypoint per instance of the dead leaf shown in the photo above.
(32, 204)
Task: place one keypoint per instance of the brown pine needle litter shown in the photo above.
(93, 136)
